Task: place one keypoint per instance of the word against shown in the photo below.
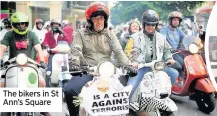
(31, 100)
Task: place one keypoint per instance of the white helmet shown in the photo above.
(47, 24)
(56, 20)
(65, 22)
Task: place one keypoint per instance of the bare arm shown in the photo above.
(39, 51)
(2, 48)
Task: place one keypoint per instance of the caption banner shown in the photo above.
(31, 100)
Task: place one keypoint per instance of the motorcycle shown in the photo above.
(20, 72)
(152, 94)
(195, 80)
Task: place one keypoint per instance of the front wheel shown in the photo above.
(205, 101)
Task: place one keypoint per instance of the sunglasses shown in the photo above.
(22, 23)
(150, 24)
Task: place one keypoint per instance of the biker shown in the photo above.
(174, 36)
(38, 29)
(47, 26)
(51, 39)
(7, 25)
(96, 43)
(152, 46)
(68, 29)
(22, 40)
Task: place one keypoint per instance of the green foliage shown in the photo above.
(124, 11)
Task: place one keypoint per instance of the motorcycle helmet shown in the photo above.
(96, 9)
(7, 22)
(37, 21)
(20, 18)
(55, 21)
(150, 17)
(175, 14)
(65, 22)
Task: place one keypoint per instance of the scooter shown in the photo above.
(55, 76)
(152, 94)
(20, 72)
(58, 75)
(196, 79)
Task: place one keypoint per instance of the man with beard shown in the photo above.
(174, 36)
(96, 44)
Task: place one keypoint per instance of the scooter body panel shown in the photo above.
(22, 76)
(151, 87)
(195, 69)
(205, 85)
(58, 61)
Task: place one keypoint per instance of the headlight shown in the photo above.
(106, 69)
(159, 65)
(193, 48)
(21, 59)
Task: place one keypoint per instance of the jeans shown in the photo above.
(135, 81)
(179, 58)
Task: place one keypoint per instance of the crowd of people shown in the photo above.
(97, 42)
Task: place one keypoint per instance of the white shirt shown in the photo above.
(3, 32)
(40, 34)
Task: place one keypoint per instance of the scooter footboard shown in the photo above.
(149, 104)
(164, 104)
(205, 85)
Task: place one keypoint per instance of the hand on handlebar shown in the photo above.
(54, 50)
(170, 62)
(134, 65)
(132, 71)
(43, 65)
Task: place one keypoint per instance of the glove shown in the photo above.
(57, 30)
(132, 72)
(43, 65)
(74, 68)
(2, 63)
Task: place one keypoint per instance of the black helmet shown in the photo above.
(150, 17)
(7, 21)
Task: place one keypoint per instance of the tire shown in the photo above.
(166, 113)
(205, 101)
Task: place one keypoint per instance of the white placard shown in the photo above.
(31, 100)
(112, 102)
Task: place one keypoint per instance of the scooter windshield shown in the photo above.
(187, 41)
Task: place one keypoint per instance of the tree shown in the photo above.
(124, 11)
